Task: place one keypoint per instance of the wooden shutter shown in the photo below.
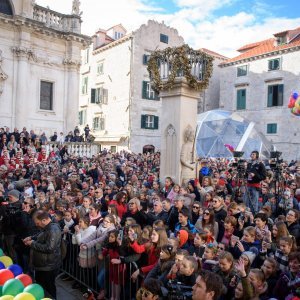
(105, 96)
(143, 121)
(270, 95)
(93, 95)
(144, 90)
(145, 59)
(280, 94)
(241, 99)
(156, 122)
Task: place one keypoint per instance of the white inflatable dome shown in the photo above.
(216, 128)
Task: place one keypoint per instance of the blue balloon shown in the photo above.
(2, 266)
(295, 95)
(16, 269)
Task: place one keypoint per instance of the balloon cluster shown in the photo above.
(14, 285)
(294, 104)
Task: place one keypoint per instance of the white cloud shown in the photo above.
(194, 20)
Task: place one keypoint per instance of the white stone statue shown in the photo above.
(76, 8)
(3, 75)
(187, 155)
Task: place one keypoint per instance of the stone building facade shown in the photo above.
(39, 66)
(116, 98)
(258, 84)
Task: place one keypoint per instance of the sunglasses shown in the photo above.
(196, 207)
(26, 202)
(206, 213)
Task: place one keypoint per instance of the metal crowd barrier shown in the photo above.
(116, 280)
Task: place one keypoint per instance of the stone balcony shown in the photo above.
(56, 20)
(77, 149)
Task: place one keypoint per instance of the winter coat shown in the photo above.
(45, 248)
(81, 235)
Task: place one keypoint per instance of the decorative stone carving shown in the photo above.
(76, 8)
(24, 52)
(3, 75)
(72, 62)
(170, 167)
(187, 155)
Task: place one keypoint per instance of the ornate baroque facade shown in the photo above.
(40, 57)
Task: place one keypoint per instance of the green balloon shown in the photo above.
(1, 252)
(1, 287)
(36, 290)
(12, 287)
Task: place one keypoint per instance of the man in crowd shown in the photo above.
(46, 255)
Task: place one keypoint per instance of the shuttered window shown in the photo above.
(148, 93)
(149, 122)
(275, 95)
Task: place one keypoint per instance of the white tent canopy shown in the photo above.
(216, 128)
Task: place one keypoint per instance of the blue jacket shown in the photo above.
(191, 228)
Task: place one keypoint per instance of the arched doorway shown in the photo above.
(5, 7)
(148, 148)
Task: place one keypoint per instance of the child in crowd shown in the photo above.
(209, 260)
(180, 255)
(200, 241)
(187, 271)
(237, 247)
(111, 248)
(174, 193)
(261, 226)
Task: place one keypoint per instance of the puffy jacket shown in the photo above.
(45, 248)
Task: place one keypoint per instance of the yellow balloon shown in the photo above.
(7, 297)
(24, 296)
(6, 260)
(297, 103)
(46, 299)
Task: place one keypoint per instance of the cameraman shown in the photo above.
(9, 222)
(255, 173)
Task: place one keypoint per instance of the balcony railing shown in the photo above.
(77, 149)
(55, 20)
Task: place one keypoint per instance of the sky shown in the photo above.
(219, 25)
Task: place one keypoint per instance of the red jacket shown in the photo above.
(116, 272)
(152, 257)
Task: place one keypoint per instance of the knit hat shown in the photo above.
(14, 193)
(251, 254)
(269, 196)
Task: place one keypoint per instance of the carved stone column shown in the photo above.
(179, 111)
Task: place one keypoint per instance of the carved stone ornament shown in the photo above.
(3, 75)
(76, 8)
(71, 62)
(170, 130)
(24, 52)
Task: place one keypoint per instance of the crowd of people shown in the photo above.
(15, 140)
(232, 233)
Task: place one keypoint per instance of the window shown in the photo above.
(281, 40)
(100, 68)
(118, 35)
(99, 123)
(272, 128)
(113, 149)
(275, 95)
(242, 70)
(274, 64)
(84, 85)
(82, 117)
(5, 7)
(149, 122)
(145, 59)
(46, 95)
(86, 57)
(164, 38)
(96, 122)
(241, 99)
(99, 95)
(148, 92)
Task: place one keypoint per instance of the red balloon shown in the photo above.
(5, 275)
(291, 103)
(25, 279)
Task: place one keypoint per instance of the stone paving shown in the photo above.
(64, 290)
